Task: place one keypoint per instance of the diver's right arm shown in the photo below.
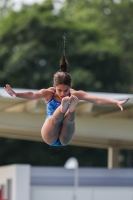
(26, 95)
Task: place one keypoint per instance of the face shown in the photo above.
(62, 90)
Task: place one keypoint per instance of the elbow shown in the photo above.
(98, 101)
(31, 96)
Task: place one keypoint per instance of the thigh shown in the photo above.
(50, 131)
(67, 133)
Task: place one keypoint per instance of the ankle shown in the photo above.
(68, 122)
(61, 110)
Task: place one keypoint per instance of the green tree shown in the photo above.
(105, 55)
(31, 47)
(121, 20)
(25, 55)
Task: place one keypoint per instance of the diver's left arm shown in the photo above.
(81, 95)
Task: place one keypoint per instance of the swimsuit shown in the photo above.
(51, 106)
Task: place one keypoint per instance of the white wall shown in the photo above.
(19, 175)
(21, 189)
(83, 193)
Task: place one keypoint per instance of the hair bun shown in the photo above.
(63, 64)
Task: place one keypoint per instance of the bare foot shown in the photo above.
(73, 103)
(64, 104)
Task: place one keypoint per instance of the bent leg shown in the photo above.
(68, 127)
(51, 128)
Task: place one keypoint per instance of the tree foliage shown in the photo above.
(98, 46)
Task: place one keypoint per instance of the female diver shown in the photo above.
(61, 101)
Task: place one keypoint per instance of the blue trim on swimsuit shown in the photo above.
(57, 143)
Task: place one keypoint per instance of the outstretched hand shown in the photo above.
(10, 91)
(120, 103)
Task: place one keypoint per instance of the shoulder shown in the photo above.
(78, 93)
(50, 89)
(47, 90)
(48, 93)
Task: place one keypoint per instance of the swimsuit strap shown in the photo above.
(69, 93)
(53, 93)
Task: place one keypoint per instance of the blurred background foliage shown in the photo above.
(99, 48)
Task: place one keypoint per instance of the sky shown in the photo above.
(18, 3)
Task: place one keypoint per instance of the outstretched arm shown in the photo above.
(26, 95)
(81, 95)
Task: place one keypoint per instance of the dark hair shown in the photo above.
(62, 77)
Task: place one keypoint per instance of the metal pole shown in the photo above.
(75, 183)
